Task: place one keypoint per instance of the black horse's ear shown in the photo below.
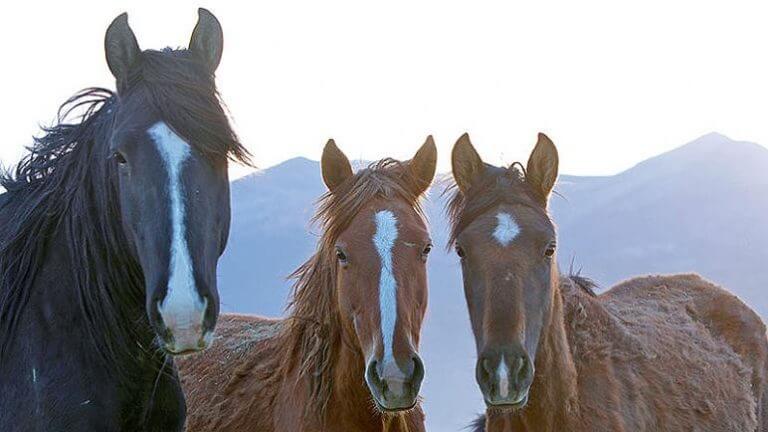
(466, 163)
(121, 49)
(541, 171)
(207, 39)
(335, 165)
(423, 166)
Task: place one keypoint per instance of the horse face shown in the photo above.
(174, 200)
(382, 291)
(508, 266)
(382, 284)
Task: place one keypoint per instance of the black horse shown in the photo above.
(110, 232)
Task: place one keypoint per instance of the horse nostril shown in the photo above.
(372, 374)
(522, 371)
(484, 372)
(418, 371)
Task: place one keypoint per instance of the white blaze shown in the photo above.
(506, 229)
(182, 297)
(503, 375)
(384, 240)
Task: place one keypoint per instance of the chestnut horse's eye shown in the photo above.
(341, 256)
(459, 251)
(550, 250)
(119, 158)
(426, 251)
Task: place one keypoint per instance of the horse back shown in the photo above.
(701, 324)
(722, 313)
(207, 377)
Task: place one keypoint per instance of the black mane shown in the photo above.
(65, 186)
(477, 425)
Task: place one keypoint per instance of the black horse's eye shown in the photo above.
(119, 158)
(341, 256)
(459, 251)
(550, 250)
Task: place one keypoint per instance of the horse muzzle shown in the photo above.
(505, 378)
(184, 329)
(394, 388)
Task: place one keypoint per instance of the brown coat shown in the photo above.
(655, 353)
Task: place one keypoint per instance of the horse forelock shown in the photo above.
(179, 86)
(497, 186)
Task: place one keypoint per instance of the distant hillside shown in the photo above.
(701, 207)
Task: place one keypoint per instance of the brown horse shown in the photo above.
(345, 359)
(656, 353)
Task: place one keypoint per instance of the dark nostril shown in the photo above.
(418, 371)
(521, 371)
(372, 373)
(518, 368)
(483, 371)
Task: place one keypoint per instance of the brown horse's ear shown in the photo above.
(121, 49)
(466, 163)
(423, 166)
(335, 166)
(541, 172)
(207, 41)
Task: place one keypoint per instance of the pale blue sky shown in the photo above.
(612, 83)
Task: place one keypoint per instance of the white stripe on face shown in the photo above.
(384, 240)
(506, 229)
(503, 375)
(182, 307)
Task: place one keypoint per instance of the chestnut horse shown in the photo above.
(345, 359)
(655, 353)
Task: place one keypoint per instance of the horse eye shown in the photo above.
(341, 256)
(119, 158)
(426, 251)
(459, 251)
(550, 250)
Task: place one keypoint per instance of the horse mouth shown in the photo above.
(394, 410)
(506, 405)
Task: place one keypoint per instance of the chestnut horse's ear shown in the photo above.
(466, 163)
(335, 166)
(423, 166)
(541, 171)
(121, 48)
(207, 39)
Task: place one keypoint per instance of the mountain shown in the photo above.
(699, 208)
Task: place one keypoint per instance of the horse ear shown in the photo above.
(423, 166)
(207, 39)
(466, 163)
(121, 49)
(541, 171)
(335, 166)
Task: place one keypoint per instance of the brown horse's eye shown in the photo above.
(459, 251)
(341, 256)
(550, 250)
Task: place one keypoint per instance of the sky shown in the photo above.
(612, 83)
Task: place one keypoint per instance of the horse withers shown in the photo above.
(110, 234)
(656, 353)
(346, 357)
